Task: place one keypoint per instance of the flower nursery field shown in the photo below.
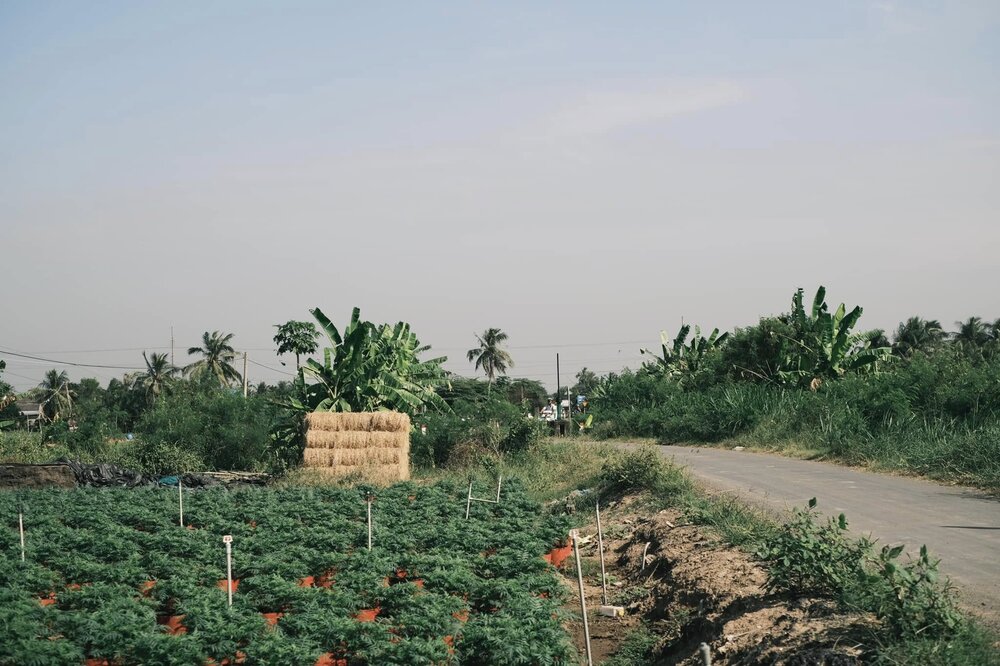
(110, 577)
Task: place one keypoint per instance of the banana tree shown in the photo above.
(826, 346)
(680, 358)
(369, 368)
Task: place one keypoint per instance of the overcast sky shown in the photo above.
(581, 175)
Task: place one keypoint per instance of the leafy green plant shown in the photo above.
(815, 558)
(679, 358)
(369, 368)
(915, 601)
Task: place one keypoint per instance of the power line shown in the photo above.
(267, 367)
(79, 365)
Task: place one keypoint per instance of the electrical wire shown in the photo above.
(79, 365)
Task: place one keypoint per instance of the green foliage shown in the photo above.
(913, 600)
(806, 557)
(825, 345)
(217, 356)
(493, 425)
(504, 607)
(642, 468)
(811, 558)
(490, 355)
(680, 359)
(210, 428)
(637, 649)
(296, 337)
(369, 368)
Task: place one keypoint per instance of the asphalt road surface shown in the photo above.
(959, 525)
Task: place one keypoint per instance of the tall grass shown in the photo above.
(917, 421)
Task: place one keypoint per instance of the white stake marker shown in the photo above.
(583, 599)
(180, 499)
(499, 480)
(228, 540)
(468, 502)
(20, 527)
(368, 499)
(600, 547)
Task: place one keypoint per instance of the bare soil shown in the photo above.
(689, 588)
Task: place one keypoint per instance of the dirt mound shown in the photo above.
(689, 588)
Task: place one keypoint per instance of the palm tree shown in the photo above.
(56, 394)
(217, 357)
(972, 333)
(158, 376)
(489, 356)
(916, 334)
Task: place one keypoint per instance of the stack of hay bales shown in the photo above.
(375, 445)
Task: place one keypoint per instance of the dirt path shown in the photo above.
(959, 525)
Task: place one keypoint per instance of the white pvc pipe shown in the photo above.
(583, 599)
(600, 547)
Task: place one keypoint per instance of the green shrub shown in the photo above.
(222, 428)
(812, 558)
(912, 601)
(806, 557)
(495, 425)
(642, 468)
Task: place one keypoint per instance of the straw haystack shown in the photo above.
(375, 445)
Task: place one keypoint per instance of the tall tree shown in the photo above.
(57, 397)
(490, 355)
(158, 376)
(972, 333)
(217, 357)
(296, 337)
(916, 334)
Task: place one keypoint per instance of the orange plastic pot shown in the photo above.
(173, 623)
(308, 581)
(48, 600)
(224, 584)
(367, 614)
(147, 587)
(327, 659)
(272, 618)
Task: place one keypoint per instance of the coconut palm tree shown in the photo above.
(217, 358)
(972, 333)
(57, 397)
(158, 376)
(489, 355)
(916, 334)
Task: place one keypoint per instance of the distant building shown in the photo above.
(30, 413)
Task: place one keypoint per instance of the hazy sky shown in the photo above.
(580, 175)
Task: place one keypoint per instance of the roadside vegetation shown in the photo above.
(918, 620)
(809, 382)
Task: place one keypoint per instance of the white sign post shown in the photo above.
(180, 499)
(228, 540)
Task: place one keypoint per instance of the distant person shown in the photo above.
(549, 411)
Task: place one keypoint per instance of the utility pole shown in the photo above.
(558, 397)
(244, 374)
(171, 345)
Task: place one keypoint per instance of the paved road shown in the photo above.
(959, 525)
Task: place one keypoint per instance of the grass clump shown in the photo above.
(643, 469)
(637, 649)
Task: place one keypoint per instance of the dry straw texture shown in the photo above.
(374, 446)
(355, 439)
(359, 421)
